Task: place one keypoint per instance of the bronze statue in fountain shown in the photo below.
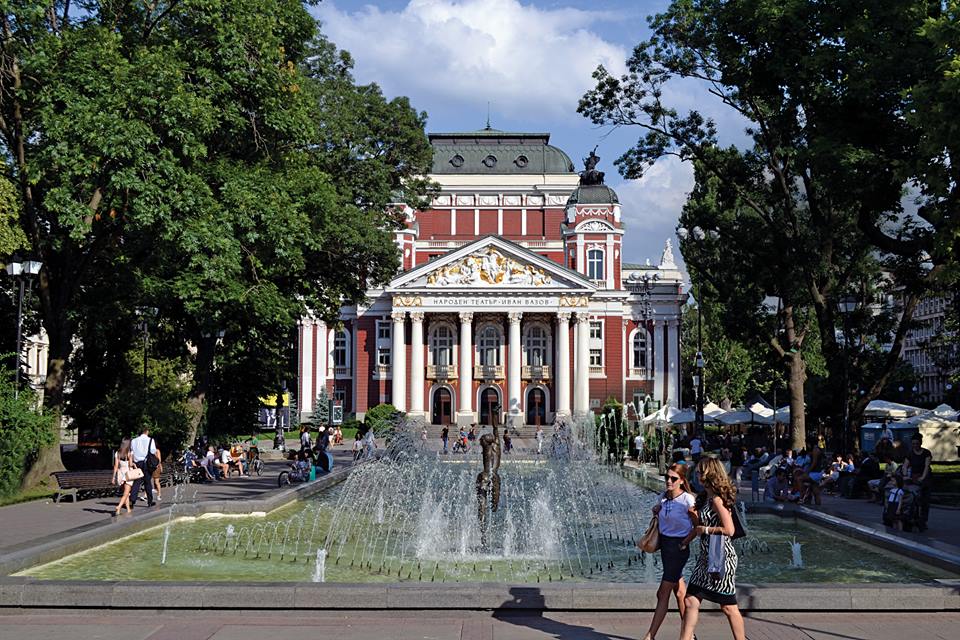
(488, 480)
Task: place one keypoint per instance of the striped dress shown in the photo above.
(702, 585)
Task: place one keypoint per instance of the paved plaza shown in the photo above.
(461, 625)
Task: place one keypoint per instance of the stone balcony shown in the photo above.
(536, 372)
(488, 372)
(441, 372)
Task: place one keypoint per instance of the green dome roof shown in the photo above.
(593, 194)
(497, 152)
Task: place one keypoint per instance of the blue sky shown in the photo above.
(532, 60)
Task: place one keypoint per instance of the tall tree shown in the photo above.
(821, 90)
(183, 142)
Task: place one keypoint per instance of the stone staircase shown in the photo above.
(524, 431)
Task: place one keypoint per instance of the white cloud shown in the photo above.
(521, 58)
(651, 207)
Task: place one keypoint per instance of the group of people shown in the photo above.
(466, 438)
(903, 488)
(709, 517)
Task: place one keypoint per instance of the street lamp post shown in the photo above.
(846, 306)
(146, 314)
(22, 272)
(697, 234)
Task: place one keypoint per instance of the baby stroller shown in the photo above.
(909, 512)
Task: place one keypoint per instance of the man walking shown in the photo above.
(445, 437)
(141, 447)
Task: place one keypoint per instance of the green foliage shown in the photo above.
(162, 406)
(23, 430)
(321, 408)
(12, 236)
(382, 418)
(211, 158)
(795, 213)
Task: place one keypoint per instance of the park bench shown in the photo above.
(74, 482)
(97, 481)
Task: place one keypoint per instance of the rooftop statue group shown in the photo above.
(590, 175)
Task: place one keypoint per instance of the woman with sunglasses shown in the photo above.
(676, 517)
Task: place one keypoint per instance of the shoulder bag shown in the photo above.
(739, 531)
(650, 541)
(151, 462)
(133, 472)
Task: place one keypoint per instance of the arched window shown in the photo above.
(441, 345)
(536, 343)
(488, 346)
(595, 264)
(640, 349)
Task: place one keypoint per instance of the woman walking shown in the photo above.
(716, 506)
(122, 463)
(676, 518)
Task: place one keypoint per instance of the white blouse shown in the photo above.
(674, 517)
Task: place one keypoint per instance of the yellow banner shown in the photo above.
(271, 401)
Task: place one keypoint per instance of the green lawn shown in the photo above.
(40, 492)
(952, 468)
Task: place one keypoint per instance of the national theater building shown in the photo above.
(512, 297)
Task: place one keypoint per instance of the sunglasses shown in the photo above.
(673, 478)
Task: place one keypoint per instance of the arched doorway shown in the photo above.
(442, 412)
(536, 406)
(489, 405)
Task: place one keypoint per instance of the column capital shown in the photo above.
(399, 316)
(515, 316)
(564, 316)
(466, 317)
(417, 316)
(583, 317)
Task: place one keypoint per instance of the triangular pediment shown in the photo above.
(492, 263)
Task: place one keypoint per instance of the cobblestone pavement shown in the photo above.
(393, 625)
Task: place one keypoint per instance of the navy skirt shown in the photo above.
(673, 557)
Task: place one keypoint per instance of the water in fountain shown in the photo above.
(320, 568)
(796, 559)
(413, 514)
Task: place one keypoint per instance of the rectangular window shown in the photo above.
(596, 330)
(339, 396)
(596, 358)
(384, 335)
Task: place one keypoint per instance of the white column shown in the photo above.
(562, 388)
(399, 359)
(513, 373)
(672, 356)
(307, 397)
(465, 413)
(322, 351)
(658, 356)
(581, 385)
(417, 364)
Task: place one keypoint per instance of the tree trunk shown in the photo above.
(796, 376)
(796, 370)
(48, 457)
(196, 401)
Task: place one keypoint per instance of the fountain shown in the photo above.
(406, 514)
(796, 557)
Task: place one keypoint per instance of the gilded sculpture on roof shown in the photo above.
(488, 266)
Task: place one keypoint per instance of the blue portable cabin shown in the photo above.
(870, 434)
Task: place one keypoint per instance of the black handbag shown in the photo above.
(738, 530)
(151, 462)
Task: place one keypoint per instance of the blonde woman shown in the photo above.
(676, 518)
(716, 505)
(122, 463)
(155, 478)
